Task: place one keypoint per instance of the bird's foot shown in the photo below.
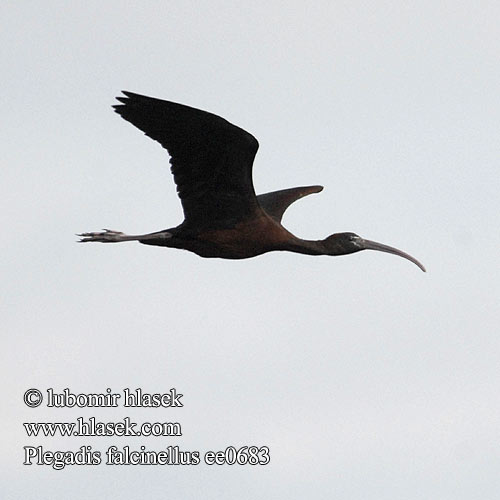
(107, 236)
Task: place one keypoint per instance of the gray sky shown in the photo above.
(366, 378)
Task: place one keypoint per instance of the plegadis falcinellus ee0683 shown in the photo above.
(211, 161)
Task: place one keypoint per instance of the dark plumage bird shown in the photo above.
(211, 161)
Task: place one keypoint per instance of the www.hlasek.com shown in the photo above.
(91, 427)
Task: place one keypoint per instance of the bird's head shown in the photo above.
(343, 243)
(346, 243)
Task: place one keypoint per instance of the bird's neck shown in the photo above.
(308, 247)
(329, 246)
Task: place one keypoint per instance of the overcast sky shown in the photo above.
(366, 378)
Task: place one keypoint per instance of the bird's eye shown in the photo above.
(354, 239)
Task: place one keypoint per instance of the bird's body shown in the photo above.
(211, 161)
(246, 239)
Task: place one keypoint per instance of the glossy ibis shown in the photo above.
(211, 161)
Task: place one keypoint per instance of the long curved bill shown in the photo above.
(373, 245)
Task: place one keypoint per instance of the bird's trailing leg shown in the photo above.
(110, 236)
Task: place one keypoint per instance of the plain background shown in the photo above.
(367, 378)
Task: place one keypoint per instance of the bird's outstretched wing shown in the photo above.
(275, 203)
(211, 159)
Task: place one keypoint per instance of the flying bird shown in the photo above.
(211, 161)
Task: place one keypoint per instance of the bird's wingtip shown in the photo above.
(134, 95)
(122, 99)
(126, 95)
(314, 189)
